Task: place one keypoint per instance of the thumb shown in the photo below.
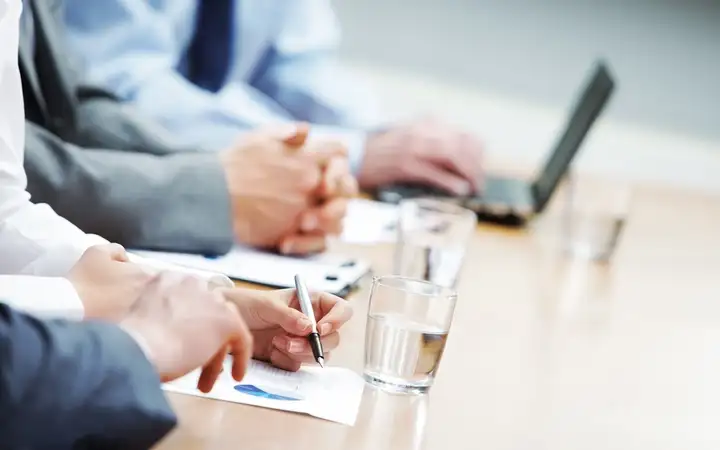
(297, 137)
(289, 319)
(433, 175)
(323, 152)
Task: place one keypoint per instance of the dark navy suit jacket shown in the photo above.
(76, 385)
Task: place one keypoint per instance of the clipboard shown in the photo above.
(327, 272)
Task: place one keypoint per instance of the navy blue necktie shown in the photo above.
(209, 53)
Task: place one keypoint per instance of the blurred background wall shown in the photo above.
(666, 53)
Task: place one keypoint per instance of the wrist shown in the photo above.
(140, 340)
(84, 295)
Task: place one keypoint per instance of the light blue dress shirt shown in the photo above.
(283, 68)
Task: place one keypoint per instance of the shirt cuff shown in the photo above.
(44, 297)
(354, 140)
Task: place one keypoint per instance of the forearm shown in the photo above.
(209, 121)
(104, 122)
(175, 202)
(82, 383)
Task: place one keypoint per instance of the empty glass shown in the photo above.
(407, 327)
(432, 238)
(588, 220)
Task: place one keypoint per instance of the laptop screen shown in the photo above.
(586, 110)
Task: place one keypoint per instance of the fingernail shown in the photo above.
(279, 342)
(325, 328)
(309, 222)
(295, 347)
(286, 247)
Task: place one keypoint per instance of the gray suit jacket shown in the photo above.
(76, 385)
(101, 165)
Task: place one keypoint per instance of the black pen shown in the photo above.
(307, 309)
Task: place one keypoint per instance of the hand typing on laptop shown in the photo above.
(425, 152)
(287, 194)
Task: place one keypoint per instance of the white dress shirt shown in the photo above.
(33, 239)
(37, 247)
(283, 67)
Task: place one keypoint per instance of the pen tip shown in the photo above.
(321, 361)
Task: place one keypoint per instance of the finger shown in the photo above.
(327, 218)
(426, 172)
(293, 134)
(475, 149)
(297, 360)
(298, 138)
(323, 152)
(299, 346)
(336, 179)
(279, 313)
(333, 313)
(303, 244)
(211, 371)
(350, 187)
(240, 341)
(462, 156)
(284, 361)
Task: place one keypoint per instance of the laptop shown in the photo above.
(511, 201)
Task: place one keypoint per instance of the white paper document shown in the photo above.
(326, 271)
(331, 393)
(370, 222)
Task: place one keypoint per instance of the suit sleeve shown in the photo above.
(76, 385)
(105, 122)
(176, 202)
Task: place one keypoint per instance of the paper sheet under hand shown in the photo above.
(370, 222)
(331, 393)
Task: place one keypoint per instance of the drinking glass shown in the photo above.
(588, 220)
(407, 326)
(432, 239)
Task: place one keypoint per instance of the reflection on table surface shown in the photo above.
(544, 353)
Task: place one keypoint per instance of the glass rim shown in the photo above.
(442, 291)
(444, 206)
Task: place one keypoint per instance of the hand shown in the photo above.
(424, 152)
(280, 330)
(106, 282)
(182, 325)
(278, 182)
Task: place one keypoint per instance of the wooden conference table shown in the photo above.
(542, 354)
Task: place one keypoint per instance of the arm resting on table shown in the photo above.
(68, 384)
(175, 202)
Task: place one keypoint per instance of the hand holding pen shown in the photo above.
(280, 330)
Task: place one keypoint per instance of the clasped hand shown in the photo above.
(287, 193)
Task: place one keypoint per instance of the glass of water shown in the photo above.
(407, 327)
(432, 239)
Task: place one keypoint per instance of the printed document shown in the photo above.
(331, 393)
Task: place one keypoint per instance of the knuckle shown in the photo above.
(94, 251)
